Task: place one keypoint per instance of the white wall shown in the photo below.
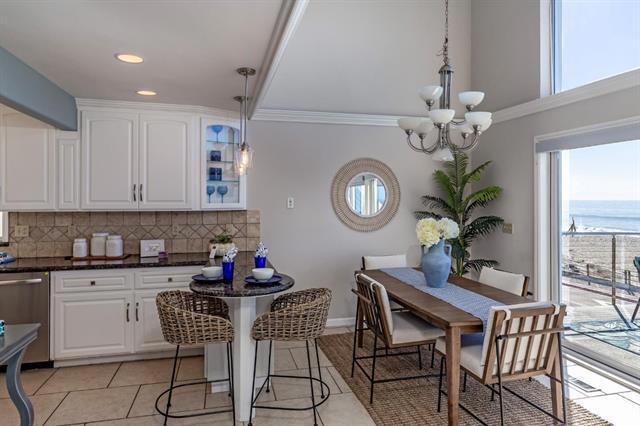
(309, 242)
(510, 146)
(505, 47)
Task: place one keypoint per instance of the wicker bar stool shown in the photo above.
(295, 316)
(190, 319)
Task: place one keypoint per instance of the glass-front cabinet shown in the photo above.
(221, 187)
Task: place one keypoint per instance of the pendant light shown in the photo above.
(243, 154)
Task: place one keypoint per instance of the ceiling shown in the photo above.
(367, 56)
(191, 48)
(370, 56)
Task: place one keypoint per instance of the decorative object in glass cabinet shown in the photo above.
(222, 183)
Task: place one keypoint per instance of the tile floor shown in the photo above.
(123, 394)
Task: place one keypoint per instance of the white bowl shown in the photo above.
(212, 271)
(262, 273)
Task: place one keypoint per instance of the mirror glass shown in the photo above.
(366, 194)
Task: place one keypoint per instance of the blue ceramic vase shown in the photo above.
(260, 261)
(436, 265)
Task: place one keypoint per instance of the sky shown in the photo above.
(601, 38)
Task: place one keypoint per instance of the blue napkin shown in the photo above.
(6, 258)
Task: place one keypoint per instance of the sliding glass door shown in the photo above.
(598, 250)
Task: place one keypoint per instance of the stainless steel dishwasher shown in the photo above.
(24, 298)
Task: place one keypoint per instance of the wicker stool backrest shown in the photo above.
(295, 316)
(187, 318)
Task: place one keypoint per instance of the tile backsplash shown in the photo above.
(52, 233)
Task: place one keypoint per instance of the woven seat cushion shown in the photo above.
(408, 328)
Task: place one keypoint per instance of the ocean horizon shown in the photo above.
(602, 215)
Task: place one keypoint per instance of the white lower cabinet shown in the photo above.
(109, 316)
(148, 334)
(92, 324)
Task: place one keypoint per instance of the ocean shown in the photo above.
(599, 215)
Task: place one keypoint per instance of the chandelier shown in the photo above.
(468, 130)
(243, 154)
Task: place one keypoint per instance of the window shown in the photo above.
(4, 227)
(594, 40)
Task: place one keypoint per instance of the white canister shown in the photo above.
(114, 246)
(80, 247)
(99, 243)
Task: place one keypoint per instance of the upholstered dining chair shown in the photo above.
(187, 318)
(396, 330)
(507, 281)
(298, 316)
(520, 341)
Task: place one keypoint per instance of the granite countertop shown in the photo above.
(40, 264)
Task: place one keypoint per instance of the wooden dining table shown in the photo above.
(455, 322)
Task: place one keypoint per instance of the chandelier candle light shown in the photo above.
(442, 118)
(243, 155)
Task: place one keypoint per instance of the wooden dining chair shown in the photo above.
(508, 281)
(396, 330)
(521, 341)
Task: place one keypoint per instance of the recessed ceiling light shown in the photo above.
(146, 92)
(129, 58)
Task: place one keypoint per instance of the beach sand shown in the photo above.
(596, 250)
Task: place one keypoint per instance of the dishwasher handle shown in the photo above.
(20, 282)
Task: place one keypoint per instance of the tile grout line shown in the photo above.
(55, 409)
(43, 383)
(114, 375)
(133, 401)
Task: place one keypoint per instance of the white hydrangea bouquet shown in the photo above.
(430, 231)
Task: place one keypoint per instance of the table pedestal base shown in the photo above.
(243, 312)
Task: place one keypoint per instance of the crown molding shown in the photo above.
(85, 104)
(320, 117)
(289, 18)
(613, 84)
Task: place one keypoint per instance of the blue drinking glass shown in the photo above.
(217, 129)
(210, 191)
(227, 271)
(261, 261)
(222, 190)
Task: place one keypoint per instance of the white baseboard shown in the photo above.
(122, 358)
(341, 322)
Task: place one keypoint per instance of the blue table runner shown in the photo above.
(473, 303)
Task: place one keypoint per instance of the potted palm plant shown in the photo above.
(459, 203)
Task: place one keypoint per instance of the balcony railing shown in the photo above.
(604, 259)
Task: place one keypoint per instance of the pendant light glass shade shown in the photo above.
(470, 98)
(243, 159)
(442, 154)
(409, 123)
(442, 116)
(430, 93)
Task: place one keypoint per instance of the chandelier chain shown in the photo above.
(445, 46)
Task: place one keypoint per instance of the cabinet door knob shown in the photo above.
(140, 192)
(137, 305)
(92, 282)
(127, 311)
(134, 192)
(170, 279)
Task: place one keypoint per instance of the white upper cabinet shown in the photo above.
(165, 162)
(109, 160)
(27, 162)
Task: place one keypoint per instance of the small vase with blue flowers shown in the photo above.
(228, 264)
(261, 256)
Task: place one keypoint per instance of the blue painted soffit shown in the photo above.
(26, 90)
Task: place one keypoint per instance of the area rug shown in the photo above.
(414, 402)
